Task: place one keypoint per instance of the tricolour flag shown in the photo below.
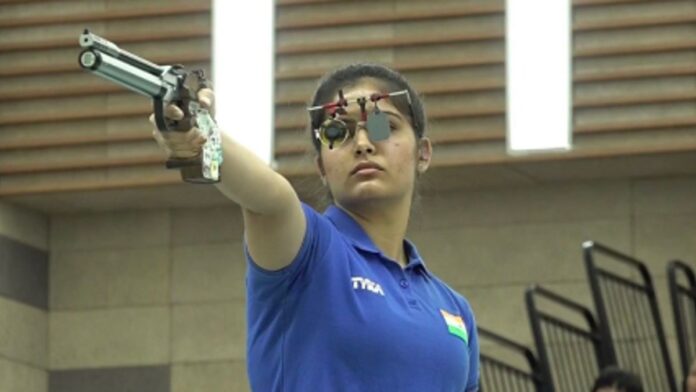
(455, 325)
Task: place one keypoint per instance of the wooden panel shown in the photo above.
(46, 15)
(633, 70)
(62, 129)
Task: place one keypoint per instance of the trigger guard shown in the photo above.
(159, 115)
(175, 125)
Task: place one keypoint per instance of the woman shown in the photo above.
(342, 301)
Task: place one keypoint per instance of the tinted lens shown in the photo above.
(333, 132)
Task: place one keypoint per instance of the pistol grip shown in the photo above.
(191, 168)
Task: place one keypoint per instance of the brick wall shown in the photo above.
(23, 300)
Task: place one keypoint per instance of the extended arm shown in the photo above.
(273, 218)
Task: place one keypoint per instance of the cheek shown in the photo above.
(333, 166)
(329, 170)
(405, 156)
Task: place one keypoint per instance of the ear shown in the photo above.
(425, 154)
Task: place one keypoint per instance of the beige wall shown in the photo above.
(24, 226)
(23, 326)
(167, 286)
(154, 287)
(491, 244)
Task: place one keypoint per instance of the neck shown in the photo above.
(385, 224)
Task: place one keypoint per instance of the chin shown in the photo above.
(368, 189)
(368, 194)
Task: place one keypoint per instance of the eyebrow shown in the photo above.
(397, 115)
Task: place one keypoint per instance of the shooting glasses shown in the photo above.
(334, 131)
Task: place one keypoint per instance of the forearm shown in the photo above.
(272, 210)
(250, 182)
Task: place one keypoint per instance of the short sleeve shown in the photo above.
(263, 284)
(472, 383)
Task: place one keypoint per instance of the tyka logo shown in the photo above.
(360, 283)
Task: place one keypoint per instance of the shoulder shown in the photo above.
(319, 238)
(316, 220)
(460, 300)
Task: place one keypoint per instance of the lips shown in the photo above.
(366, 165)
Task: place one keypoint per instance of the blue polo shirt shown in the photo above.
(344, 317)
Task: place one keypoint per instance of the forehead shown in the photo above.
(364, 88)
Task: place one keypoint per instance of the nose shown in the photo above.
(362, 143)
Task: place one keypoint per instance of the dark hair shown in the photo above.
(349, 75)
(622, 380)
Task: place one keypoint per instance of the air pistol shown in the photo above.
(165, 84)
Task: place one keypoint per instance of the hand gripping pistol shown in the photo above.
(165, 85)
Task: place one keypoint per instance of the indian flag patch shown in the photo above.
(455, 325)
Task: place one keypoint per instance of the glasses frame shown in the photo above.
(338, 107)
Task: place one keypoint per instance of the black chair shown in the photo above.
(568, 342)
(502, 370)
(629, 316)
(682, 290)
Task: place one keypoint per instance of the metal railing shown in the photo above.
(629, 316)
(498, 373)
(571, 352)
(683, 298)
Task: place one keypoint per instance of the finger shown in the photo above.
(206, 97)
(183, 154)
(195, 137)
(159, 138)
(185, 151)
(152, 118)
(200, 141)
(173, 112)
(161, 142)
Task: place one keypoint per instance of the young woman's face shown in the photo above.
(361, 170)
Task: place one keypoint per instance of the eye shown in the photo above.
(333, 132)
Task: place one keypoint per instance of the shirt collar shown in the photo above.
(415, 261)
(357, 236)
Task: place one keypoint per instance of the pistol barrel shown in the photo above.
(92, 41)
(123, 73)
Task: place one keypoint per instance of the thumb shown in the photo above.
(206, 97)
